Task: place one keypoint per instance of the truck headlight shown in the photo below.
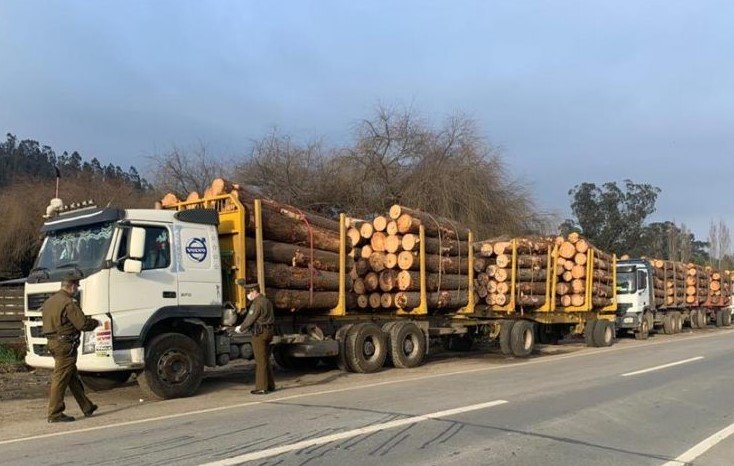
(89, 342)
(628, 320)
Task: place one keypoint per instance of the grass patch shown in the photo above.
(10, 355)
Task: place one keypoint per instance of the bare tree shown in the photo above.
(182, 171)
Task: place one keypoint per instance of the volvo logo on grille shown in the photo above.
(196, 249)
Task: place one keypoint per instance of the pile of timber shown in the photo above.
(697, 284)
(658, 282)
(386, 271)
(674, 281)
(572, 263)
(719, 287)
(300, 248)
(494, 267)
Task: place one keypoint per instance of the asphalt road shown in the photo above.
(635, 403)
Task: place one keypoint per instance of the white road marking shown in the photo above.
(702, 447)
(544, 360)
(275, 451)
(664, 366)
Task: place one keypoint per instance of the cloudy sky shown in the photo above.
(573, 91)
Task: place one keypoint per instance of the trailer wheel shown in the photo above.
(720, 318)
(644, 332)
(589, 331)
(727, 318)
(603, 333)
(407, 345)
(668, 324)
(703, 318)
(678, 322)
(693, 318)
(341, 337)
(386, 328)
(174, 367)
(100, 381)
(522, 338)
(366, 348)
(506, 336)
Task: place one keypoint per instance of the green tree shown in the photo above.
(610, 216)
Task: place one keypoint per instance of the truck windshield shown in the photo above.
(83, 248)
(626, 282)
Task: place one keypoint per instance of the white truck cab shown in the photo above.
(148, 274)
(634, 296)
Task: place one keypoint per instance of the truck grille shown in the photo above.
(41, 350)
(622, 308)
(37, 331)
(36, 300)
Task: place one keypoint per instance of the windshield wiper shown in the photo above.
(68, 264)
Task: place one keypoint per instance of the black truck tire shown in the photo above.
(174, 367)
(505, 336)
(366, 348)
(720, 318)
(668, 324)
(407, 345)
(100, 381)
(703, 318)
(693, 318)
(727, 317)
(522, 338)
(603, 333)
(677, 322)
(341, 337)
(589, 331)
(643, 333)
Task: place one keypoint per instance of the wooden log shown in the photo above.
(531, 300)
(567, 276)
(578, 271)
(366, 251)
(391, 260)
(568, 265)
(193, 196)
(169, 200)
(481, 291)
(578, 286)
(565, 300)
(532, 274)
(716, 286)
(410, 281)
(501, 275)
(377, 261)
(600, 302)
(577, 300)
(393, 243)
(567, 250)
(295, 278)
(502, 247)
(531, 261)
(371, 281)
(378, 241)
(449, 265)
(387, 301)
(503, 288)
(582, 246)
(483, 278)
(480, 264)
(301, 299)
(273, 208)
(580, 258)
(220, 186)
(363, 301)
(440, 300)
(532, 246)
(284, 229)
(446, 246)
(409, 242)
(563, 289)
(503, 260)
(354, 236)
(388, 280)
(531, 288)
(392, 227)
(500, 299)
(379, 223)
(486, 249)
(296, 256)
(492, 286)
(433, 225)
(492, 269)
(358, 286)
(375, 300)
(602, 290)
(573, 237)
(366, 230)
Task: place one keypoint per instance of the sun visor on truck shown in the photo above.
(82, 218)
(202, 216)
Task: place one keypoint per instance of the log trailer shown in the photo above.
(662, 295)
(165, 283)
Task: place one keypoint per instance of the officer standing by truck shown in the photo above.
(261, 319)
(63, 321)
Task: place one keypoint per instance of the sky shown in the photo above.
(572, 91)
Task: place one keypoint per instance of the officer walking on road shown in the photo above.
(63, 321)
(261, 318)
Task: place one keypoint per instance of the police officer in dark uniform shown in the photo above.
(63, 321)
(261, 319)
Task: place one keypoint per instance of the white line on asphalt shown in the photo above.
(275, 451)
(702, 447)
(548, 359)
(664, 366)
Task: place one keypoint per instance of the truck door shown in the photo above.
(135, 297)
(198, 266)
(643, 289)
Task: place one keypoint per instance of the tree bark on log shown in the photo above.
(433, 225)
(297, 256)
(295, 278)
(441, 300)
(300, 299)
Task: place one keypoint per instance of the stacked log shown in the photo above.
(386, 274)
(572, 265)
(675, 281)
(494, 267)
(697, 284)
(300, 248)
(719, 287)
(658, 282)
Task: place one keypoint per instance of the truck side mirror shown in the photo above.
(132, 266)
(136, 249)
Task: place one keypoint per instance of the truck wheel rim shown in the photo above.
(369, 348)
(528, 340)
(173, 366)
(408, 345)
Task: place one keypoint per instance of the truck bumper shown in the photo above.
(120, 360)
(628, 321)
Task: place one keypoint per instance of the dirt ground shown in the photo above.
(21, 382)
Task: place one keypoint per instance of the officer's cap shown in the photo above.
(73, 276)
(252, 286)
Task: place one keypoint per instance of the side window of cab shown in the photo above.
(157, 253)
